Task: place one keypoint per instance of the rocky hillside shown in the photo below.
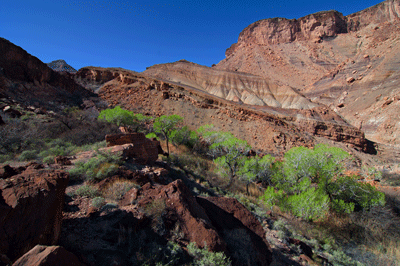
(332, 59)
(61, 66)
(266, 128)
(27, 80)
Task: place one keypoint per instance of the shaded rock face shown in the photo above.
(24, 78)
(223, 224)
(48, 256)
(30, 209)
(181, 207)
(241, 231)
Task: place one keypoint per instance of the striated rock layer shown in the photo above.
(231, 86)
(333, 60)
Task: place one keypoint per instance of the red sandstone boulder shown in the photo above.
(31, 209)
(48, 256)
(134, 145)
(242, 232)
(62, 160)
(181, 207)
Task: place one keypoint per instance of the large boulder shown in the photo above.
(48, 256)
(183, 211)
(30, 209)
(241, 231)
(134, 145)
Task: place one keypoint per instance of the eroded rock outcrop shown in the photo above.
(48, 256)
(30, 209)
(134, 145)
(242, 232)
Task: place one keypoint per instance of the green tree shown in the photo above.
(256, 169)
(167, 125)
(122, 117)
(310, 182)
(184, 136)
(231, 155)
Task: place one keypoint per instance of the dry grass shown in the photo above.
(117, 189)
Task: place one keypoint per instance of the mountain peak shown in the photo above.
(61, 66)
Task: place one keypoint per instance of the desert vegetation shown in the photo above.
(306, 194)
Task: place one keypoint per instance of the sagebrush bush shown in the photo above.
(87, 191)
(28, 155)
(98, 202)
(204, 257)
(118, 189)
(96, 168)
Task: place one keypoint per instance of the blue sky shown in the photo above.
(137, 34)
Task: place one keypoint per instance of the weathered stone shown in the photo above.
(7, 171)
(305, 249)
(31, 210)
(350, 79)
(134, 145)
(48, 256)
(183, 209)
(241, 231)
(62, 160)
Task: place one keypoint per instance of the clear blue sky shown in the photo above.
(137, 34)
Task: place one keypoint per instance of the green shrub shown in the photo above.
(349, 195)
(312, 204)
(98, 202)
(184, 136)
(204, 257)
(28, 155)
(97, 168)
(49, 159)
(309, 183)
(87, 191)
(118, 189)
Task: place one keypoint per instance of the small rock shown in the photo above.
(366, 56)
(350, 80)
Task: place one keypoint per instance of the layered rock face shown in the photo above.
(31, 208)
(331, 59)
(26, 79)
(231, 86)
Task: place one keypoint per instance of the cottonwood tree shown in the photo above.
(167, 125)
(123, 118)
(230, 153)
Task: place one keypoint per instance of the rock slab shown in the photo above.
(31, 209)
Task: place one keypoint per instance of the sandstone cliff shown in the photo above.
(332, 59)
